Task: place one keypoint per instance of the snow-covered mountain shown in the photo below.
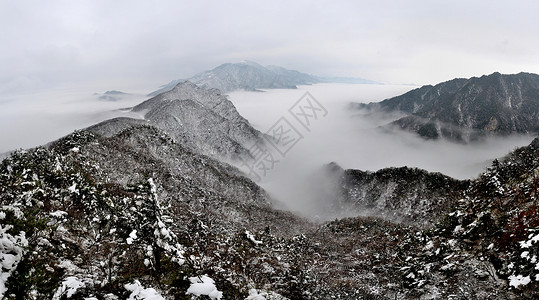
(250, 76)
(141, 209)
(246, 75)
(404, 195)
(201, 119)
(467, 109)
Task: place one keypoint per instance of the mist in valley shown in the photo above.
(353, 139)
(348, 137)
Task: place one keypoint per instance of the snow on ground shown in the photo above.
(11, 252)
(263, 295)
(132, 237)
(138, 292)
(252, 238)
(69, 287)
(518, 280)
(204, 285)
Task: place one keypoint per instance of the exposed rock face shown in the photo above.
(467, 109)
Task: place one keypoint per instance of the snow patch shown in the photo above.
(429, 245)
(252, 238)
(69, 287)
(263, 295)
(518, 280)
(138, 292)
(73, 188)
(153, 188)
(204, 285)
(58, 214)
(11, 252)
(132, 237)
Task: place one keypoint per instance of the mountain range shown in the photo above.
(251, 76)
(468, 109)
(150, 208)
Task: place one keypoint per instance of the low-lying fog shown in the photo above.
(30, 120)
(343, 136)
(350, 139)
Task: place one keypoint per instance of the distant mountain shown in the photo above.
(201, 119)
(246, 75)
(251, 76)
(111, 95)
(467, 109)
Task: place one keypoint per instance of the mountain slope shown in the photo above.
(105, 217)
(494, 227)
(97, 212)
(134, 207)
(201, 119)
(403, 194)
(466, 109)
(481, 238)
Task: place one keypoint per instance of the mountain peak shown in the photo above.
(183, 85)
(202, 118)
(246, 75)
(251, 63)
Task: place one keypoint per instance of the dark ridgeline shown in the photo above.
(468, 109)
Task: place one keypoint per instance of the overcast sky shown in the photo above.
(131, 44)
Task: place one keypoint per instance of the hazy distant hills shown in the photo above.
(466, 109)
(111, 95)
(250, 76)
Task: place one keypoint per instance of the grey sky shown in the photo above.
(130, 44)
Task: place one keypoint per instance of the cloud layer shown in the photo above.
(353, 140)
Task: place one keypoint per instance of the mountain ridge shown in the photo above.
(468, 109)
(203, 119)
(251, 76)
